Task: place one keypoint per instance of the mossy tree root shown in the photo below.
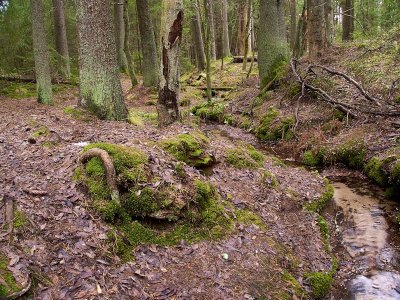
(109, 169)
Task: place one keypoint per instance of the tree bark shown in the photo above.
(148, 44)
(61, 38)
(272, 45)
(198, 38)
(226, 50)
(293, 22)
(120, 34)
(347, 17)
(42, 67)
(171, 38)
(211, 25)
(100, 87)
(208, 49)
(127, 48)
(247, 37)
(241, 29)
(316, 30)
(328, 22)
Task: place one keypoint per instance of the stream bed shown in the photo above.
(360, 218)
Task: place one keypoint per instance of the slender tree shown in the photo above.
(171, 37)
(208, 48)
(293, 19)
(211, 26)
(241, 28)
(348, 20)
(100, 86)
(316, 29)
(198, 37)
(272, 45)
(42, 68)
(225, 29)
(148, 44)
(328, 10)
(127, 48)
(120, 34)
(61, 38)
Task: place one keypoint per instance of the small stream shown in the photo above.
(360, 218)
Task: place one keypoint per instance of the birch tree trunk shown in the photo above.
(148, 44)
(61, 38)
(42, 67)
(100, 87)
(171, 38)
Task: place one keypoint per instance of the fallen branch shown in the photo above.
(393, 87)
(351, 80)
(108, 167)
(32, 80)
(8, 215)
(239, 59)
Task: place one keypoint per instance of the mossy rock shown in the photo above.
(273, 127)
(8, 283)
(244, 156)
(189, 148)
(320, 283)
(211, 110)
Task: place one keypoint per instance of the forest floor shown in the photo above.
(65, 246)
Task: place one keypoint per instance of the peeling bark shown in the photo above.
(171, 36)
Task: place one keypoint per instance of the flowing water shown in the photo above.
(360, 212)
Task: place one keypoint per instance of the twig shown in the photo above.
(351, 80)
(393, 87)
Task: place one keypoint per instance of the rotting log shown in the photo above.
(218, 88)
(32, 80)
(109, 168)
(239, 59)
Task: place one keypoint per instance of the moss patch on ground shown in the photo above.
(8, 284)
(189, 148)
(140, 118)
(318, 204)
(273, 127)
(213, 111)
(244, 156)
(320, 283)
(78, 113)
(351, 153)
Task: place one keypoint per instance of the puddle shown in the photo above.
(365, 233)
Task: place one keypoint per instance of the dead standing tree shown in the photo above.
(171, 36)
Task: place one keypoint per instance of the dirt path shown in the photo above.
(65, 245)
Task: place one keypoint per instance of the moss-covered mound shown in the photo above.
(8, 284)
(213, 111)
(245, 156)
(155, 208)
(273, 127)
(189, 148)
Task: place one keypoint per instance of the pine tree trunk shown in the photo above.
(100, 86)
(247, 37)
(241, 29)
(272, 45)
(120, 34)
(127, 48)
(316, 30)
(171, 38)
(348, 13)
(211, 24)
(61, 38)
(198, 38)
(328, 22)
(293, 22)
(225, 29)
(301, 42)
(42, 68)
(148, 44)
(208, 49)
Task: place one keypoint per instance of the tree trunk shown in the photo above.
(293, 22)
(247, 37)
(61, 38)
(211, 25)
(226, 50)
(328, 22)
(208, 48)
(301, 34)
(241, 29)
(316, 30)
(120, 34)
(100, 86)
(42, 68)
(127, 48)
(198, 38)
(348, 13)
(148, 44)
(171, 38)
(272, 45)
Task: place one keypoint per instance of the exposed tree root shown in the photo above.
(108, 167)
(393, 87)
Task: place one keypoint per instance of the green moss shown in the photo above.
(273, 128)
(120, 246)
(141, 203)
(375, 170)
(244, 157)
(293, 284)
(245, 123)
(139, 118)
(17, 90)
(189, 148)
(324, 229)
(42, 131)
(276, 161)
(78, 113)
(248, 217)
(180, 170)
(8, 284)
(269, 179)
(229, 120)
(320, 283)
(294, 89)
(351, 153)
(184, 102)
(213, 111)
(313, 158)
(20, 219)
(319, 204)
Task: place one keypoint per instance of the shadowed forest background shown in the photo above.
(202, 149)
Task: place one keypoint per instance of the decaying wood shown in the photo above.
(239, 59)
(351, 80)
(9, 214)
(218, 88)
(393, 87)
(108, 167)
